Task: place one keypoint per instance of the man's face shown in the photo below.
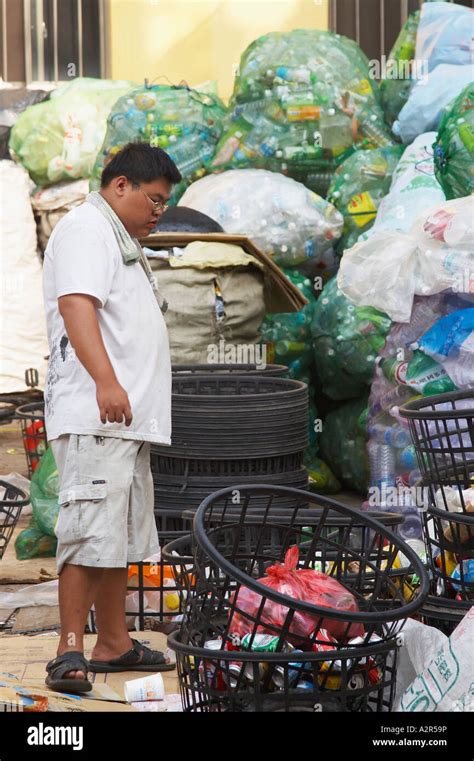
(135, 204)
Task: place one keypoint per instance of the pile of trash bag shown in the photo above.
(431, 354)
(389, 269)
(285, 220)
(186, 123)
(454, 146)
(39, 539)
(346, 342)
(302, 102)
(358, 186)
(59, 139)
(396, 81)
(343, 444)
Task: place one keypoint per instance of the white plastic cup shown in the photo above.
(146, 688)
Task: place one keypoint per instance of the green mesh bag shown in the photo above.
(347, 340)
(343, 444)
(454, 146)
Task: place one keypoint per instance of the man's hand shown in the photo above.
(114, 405)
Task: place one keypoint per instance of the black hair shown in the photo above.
(140, 162)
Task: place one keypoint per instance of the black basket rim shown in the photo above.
(359, 651)
(288, 386)
(28, 410)
(440, 605)
(174, 546)
(230, 369)
(24, 497)
(446, 515)
(361, 616)
(311, 514)
(418, 409)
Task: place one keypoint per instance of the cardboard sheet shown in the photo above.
(25, 657)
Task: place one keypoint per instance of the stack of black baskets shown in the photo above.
(230, 424)
(442, 429)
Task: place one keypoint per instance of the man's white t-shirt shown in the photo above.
(83, 256)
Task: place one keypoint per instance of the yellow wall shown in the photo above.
(197, 40)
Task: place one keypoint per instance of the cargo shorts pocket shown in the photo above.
(83, 514)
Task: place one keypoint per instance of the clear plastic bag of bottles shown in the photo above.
(358, 186)
(186, 123)
(302, 101)
(396, 81)
(286, 220)
(454, 146)
(59, 139)
(343, 444)
(288, 335)
(347, 340)
(404, 372)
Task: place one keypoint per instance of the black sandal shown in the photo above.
(138, 658)
(69, 661)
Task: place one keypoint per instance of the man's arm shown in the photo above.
(79, 314)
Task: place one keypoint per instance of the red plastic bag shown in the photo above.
(300, 584)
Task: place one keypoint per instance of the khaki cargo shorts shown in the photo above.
(106, 501)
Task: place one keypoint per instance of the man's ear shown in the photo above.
(120, 185)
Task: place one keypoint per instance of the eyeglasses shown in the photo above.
(157, 205)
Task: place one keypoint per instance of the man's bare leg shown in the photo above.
(78, 587)
(113, 638)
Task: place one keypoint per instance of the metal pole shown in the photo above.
(27, 35)
(382, 27)
(79, 35)
(4, 41)
(357, 11)
(403, 11)
(40, 39)
(55, 41)
(102, 40)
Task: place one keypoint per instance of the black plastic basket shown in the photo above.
(330, 669)
(12, 500)
(33, 431)
(226, 416)
(442, 429)
(162, 464)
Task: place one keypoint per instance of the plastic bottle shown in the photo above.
(393, 435)
(411, 528)
(382, 466)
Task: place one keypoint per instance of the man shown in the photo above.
(107, 396)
